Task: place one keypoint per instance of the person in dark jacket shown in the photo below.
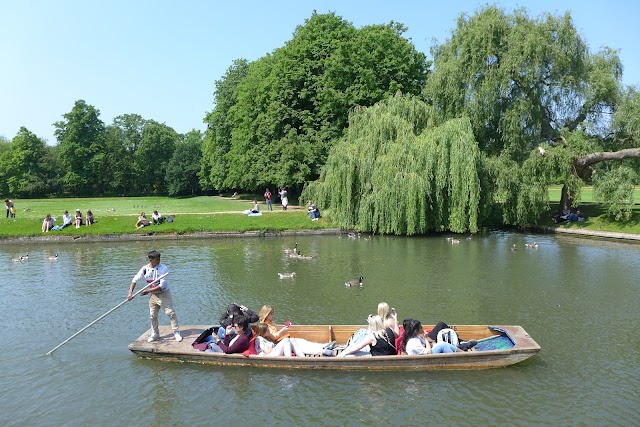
(228, 317)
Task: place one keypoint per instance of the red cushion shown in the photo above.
(398, 342)
(252, 347)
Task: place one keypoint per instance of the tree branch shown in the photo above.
(583, 164)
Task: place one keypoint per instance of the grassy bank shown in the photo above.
(119, 215)
(224, 214)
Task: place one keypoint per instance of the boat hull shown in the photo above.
(167, 349)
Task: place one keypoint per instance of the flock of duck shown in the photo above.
(295, 254)
(533, 245)
(514, 247)
(25, 258)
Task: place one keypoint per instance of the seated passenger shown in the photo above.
(233, 343)
(157, 218)
(414, 341)
(232, 311)
(381, 340)
(432, 337)
(47, 224)
(389, 317)
(301, 346)
(266, 347)
(142, 221)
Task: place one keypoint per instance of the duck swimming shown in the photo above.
(287, 275)
(54, 257)
(292, 251)
(21, 258)
(354, 283)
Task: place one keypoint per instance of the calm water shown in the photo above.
(578, 298)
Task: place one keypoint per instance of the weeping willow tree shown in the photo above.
(394, 173)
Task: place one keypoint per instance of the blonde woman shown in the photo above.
(300, 345)
(380, 339)
(389, 317)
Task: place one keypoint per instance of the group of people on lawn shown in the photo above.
(48, 224)
(156, 219)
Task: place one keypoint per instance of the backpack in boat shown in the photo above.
(448, 335)
(205, 334)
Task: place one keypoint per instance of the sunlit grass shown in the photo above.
(119, 215)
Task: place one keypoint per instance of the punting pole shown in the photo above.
(104, 315)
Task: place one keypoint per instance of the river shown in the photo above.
(578, 298)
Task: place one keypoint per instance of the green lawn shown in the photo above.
(586, 195)
(118, 216)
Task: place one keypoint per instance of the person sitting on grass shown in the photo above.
(313, 212)
(47, 224)
(142, 221)
(90, 218)
(256, 207)
(157, 218)
(67, 219)
(78, 218)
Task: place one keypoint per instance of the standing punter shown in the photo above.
(160, 295)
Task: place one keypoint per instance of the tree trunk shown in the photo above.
(583, 170)
(566, 200)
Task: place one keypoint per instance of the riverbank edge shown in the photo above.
(584, 232)
(172, 236)
(271, 233)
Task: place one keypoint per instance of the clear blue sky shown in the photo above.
(160, 58)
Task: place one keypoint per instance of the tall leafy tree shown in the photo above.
(27, 166)
(217, 139)
(293, 104)
(183, 170)
(5, 163)
(392, 173)
(121, 141)
(539, 102)
(152, 157)
(81, 139)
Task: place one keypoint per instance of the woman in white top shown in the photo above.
(415, 341)
(265, 347)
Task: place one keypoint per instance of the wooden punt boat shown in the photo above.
(498, 346)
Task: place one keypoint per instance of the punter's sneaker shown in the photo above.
(177, 335)
(153, 337)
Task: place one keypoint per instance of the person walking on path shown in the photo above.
(160, 295)
(284, 196)
(267, 198)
